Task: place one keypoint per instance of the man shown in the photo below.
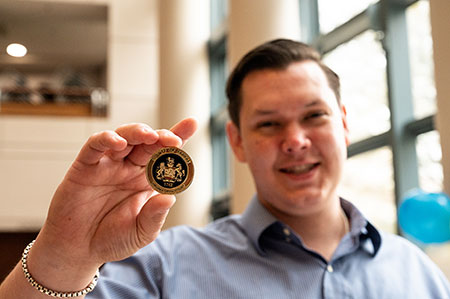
(297, 238)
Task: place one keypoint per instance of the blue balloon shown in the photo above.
(425, 217)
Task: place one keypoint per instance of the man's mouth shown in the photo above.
(299, 169)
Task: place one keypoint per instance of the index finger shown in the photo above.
(98, 144)
(137, 133)
(185, 128)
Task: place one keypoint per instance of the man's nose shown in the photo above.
(295, 139)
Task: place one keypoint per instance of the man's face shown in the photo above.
(293, 135)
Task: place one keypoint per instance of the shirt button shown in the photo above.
(330, 268)
(286, 231)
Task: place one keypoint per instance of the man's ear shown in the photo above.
(235, 140)
(345, 124)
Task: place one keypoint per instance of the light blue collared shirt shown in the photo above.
(254, 255)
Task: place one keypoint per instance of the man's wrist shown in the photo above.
(50, 270)
(51, 292)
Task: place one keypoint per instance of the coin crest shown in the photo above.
(170, 170)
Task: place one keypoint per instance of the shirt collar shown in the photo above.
(256, 220)
(361, 229)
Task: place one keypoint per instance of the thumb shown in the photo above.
(152, 217)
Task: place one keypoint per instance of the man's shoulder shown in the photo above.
(402, 256)
(394, 242)
(407, 254)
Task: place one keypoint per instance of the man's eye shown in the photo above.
(267, 124)
(314, 115)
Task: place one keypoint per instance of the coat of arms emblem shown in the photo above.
(170, 170)
(169, 173)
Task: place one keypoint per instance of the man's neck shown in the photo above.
(321, 231)
(326, 236)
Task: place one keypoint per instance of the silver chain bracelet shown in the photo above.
(49, 292)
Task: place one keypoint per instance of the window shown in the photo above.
(369, 183)
(421, 57)
(334, 13)
(219, 114)
(430, 167)
(363, 89)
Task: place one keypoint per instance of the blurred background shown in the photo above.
(90, 65)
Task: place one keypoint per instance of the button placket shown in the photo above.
(287, 234)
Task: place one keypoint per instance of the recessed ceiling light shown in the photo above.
(16, 50)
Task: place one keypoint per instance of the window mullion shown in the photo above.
(309, 18)
(395, 43)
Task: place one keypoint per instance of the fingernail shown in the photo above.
(147, 130)
(119, 138)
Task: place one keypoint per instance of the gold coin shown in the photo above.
(170, 170)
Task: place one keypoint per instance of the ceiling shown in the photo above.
(57, 34)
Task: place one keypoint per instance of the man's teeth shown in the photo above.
(299, 169)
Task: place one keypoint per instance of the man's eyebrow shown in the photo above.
(313, 103)
(264, 111)
(274, 111)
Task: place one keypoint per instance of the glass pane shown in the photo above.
(361, 65)
(429, 156)
(218, 73)
(333, 13)
(368, 183)
(421, 56)
(220, 163)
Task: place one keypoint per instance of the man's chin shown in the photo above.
(295, 204)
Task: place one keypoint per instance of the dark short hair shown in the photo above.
(275, 54)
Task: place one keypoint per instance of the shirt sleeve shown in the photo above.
(417, 274)
(130, 278)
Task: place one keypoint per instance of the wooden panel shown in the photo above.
(11, 248)
(67, 109)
